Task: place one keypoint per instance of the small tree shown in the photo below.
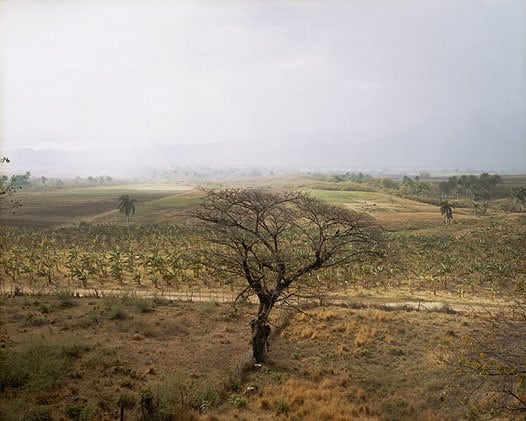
(496, 353)
(446, 210)
(519, 196)
(127, 206)
(274, 239)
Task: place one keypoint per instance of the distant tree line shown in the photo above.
(18, 181)
(414, 187)
(351, 176)
(478, 188)
(24, 181)
(469, 186)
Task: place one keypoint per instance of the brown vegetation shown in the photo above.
(64, 357)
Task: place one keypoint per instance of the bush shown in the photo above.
(275, 375)
(38, 364)
(281, 407)
(165, 402)
(35, 320)
(76, 411)
(115, 310)
(237, 401)
(142, 304)
(496, 354)
(126, 401)
(38, 413)
(206, 397)
(65, 299)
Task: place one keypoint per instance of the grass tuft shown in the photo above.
(114, 309)
(141, 304)
(38, 364)
(237, 401)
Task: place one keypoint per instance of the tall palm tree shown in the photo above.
(446, 210)
(127, 206)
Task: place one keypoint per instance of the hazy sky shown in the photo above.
(109, 74)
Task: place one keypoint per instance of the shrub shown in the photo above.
(281, 407)
(125, 401)
(142, 304)
(237, 401)
(74, 349)
(36, 320)
(38, 364)
(65, 299)
(76, 411)
(236, 385)
(275, 375)
(167, 401)
(91, 318)
(115, 311)
(38, 413)
(497, 356)
(207, 397)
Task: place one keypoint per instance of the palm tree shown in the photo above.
(446, 210)
(127, 206)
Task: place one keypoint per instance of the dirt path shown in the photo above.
(223, 296)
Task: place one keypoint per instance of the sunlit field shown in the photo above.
(104, 319)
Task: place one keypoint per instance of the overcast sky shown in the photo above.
(81, 74)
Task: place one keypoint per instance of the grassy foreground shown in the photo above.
(69, 358)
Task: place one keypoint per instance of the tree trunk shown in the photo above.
(260, 332)
(261, 328)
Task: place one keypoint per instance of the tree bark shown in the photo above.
(260, 332)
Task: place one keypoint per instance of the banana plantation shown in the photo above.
(485, 258)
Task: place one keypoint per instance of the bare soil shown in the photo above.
(47, 209)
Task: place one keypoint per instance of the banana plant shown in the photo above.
(11, 267)
(47, 268)
(117, 264)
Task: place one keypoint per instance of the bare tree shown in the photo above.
(496, 353)
(274, 239)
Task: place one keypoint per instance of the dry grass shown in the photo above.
(361, 364)
(330, 399)
(327, 363)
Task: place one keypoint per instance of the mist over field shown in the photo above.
(128, 88)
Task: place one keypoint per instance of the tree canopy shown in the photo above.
(273, 239)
